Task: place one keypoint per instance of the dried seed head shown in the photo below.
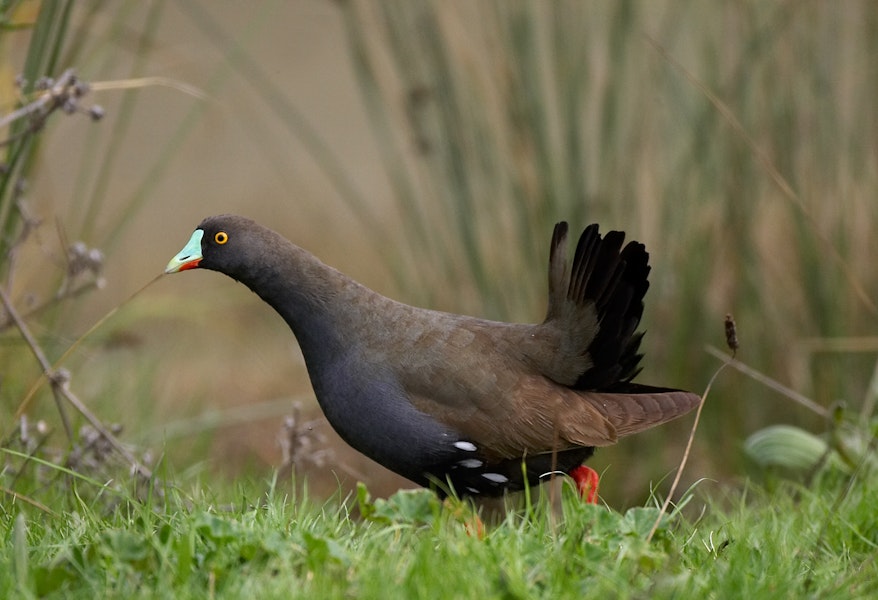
(95, 259)
(80, 88)
(81, 258)
(96, 112)
(60, 377)
(731, 334)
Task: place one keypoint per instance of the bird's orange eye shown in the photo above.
(221, 237)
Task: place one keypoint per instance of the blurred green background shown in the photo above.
(426, 149)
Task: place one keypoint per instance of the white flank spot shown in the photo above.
(473, 490)
(468, 446)
(495, 477)
(470, 463)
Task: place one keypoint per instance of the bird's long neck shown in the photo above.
(313, 298)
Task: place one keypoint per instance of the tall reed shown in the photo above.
(737, 140)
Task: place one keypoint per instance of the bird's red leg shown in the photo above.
(586, 482)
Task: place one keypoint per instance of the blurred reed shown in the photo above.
(737, 140)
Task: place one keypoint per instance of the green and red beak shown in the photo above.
(189, 256)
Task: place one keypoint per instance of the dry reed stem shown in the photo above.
(769, 382)
(60, 379)
(685, 458)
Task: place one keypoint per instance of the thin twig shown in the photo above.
(769, 382)
(47, 102)
(14, 317)
(59, 381)
(87, 286)
(39, 382)
(685, 458)
(142, 82)
(31, 451)
(30, 501)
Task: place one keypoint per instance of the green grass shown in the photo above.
(737, 140)
(795, 542)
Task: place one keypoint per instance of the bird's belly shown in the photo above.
(376, 418)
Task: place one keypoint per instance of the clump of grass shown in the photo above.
(232, 542)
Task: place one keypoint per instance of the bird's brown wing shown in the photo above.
(536, 415)
(480, 381)
(556, 385)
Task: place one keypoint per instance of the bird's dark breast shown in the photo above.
(372, 414)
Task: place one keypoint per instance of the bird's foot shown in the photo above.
(586, 483)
